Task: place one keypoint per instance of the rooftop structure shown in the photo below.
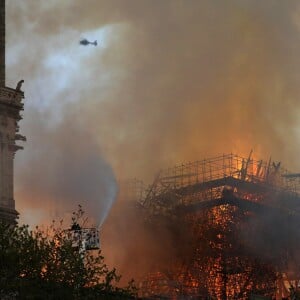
(234, 224)
(10, 114)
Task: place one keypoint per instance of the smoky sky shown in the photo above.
(169, 82)
(68, 170)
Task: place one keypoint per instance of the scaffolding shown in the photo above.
(258, 181)
(133, 189)
(209, 203)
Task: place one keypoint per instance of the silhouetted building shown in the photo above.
(10, 107)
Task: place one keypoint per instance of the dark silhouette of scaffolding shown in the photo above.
(236, 222)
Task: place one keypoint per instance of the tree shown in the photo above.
(42, 264)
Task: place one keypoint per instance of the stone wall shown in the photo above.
(2, 42)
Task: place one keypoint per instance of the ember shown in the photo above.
(230, 220)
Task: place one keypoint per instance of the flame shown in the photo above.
(214, 273)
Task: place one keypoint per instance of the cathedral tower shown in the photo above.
(10, 114)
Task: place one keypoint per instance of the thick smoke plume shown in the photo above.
(67, 170)
(171, 81)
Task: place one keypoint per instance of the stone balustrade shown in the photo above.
(11, 96)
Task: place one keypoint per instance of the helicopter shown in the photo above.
(85, 42)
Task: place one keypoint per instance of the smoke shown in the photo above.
(184, 81)
(135, 247)
(63, 164)
(169, 82)
(65, 168)
(272, 235)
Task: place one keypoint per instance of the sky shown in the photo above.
(170, 81)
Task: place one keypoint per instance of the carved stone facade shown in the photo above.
(10, 107)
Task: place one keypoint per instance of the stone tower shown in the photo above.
(10, 107)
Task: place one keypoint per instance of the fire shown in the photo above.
(211, 270)
(215, 213)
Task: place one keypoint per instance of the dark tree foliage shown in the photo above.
(42, 264)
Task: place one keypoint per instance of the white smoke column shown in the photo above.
(62, 165)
